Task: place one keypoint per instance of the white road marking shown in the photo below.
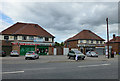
(94, 65)
(12, 72)
(41, 68)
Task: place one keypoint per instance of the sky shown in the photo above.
(62, 19)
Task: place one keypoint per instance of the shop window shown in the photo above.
(24, 38)
(6, 37)
(31, 38)
(46, 39)
(15, 37)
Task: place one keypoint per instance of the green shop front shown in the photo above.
(42, 48)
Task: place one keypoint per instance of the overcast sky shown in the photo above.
(62, 19)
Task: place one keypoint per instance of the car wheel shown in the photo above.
(69, 57)
(82, 58)
(38, 57)
(73, 58)
(26, 58)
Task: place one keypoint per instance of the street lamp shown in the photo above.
(107, 38)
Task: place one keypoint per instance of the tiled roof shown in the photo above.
(26, 29)
(86, 34)
(117, 39)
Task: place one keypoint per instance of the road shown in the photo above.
(59, 67)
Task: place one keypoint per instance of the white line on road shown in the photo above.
(94, 65)
(12, 72)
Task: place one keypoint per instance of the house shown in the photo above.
(25, 37)
(85, 41)
(115, 43)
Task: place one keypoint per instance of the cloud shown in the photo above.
(64, 20)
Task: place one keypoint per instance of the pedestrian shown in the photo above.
(115, 53)
(37, 51)
(76, 58)
(112, 54)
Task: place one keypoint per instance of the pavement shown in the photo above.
(59, 67)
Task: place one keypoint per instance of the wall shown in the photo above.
(16, 47)
(51, 51)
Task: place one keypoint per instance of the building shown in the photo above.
(115, 43)
(25, 37)
(85, 41)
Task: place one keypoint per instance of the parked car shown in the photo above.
(73, 54)
(14, 53)
(31, 55)
(92, 54)
(3, 53)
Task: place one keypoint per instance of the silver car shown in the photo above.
(14, 53)
(31, 55)
(73, 54)
(92, 54)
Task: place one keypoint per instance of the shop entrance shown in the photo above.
(43, 50)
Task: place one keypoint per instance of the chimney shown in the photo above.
(114, 37)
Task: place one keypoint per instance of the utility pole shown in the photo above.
(107, 38)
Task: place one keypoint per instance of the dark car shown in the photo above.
(3, 53)
(73, 54)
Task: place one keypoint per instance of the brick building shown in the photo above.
(25, 37)
(85, 41)
(115, 43)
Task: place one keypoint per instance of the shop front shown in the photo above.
(42, 48)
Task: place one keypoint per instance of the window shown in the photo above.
(81, 41)
(15, 37)
(91, 41)
(100, 42)
(6, 37)
(46, 39)
(24, 38)
(97, 42)
(31, 38)
(87, 41)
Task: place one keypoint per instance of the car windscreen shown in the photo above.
(14, 51)
(30, 52)
(78, 52)
(93, 53)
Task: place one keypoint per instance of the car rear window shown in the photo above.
(77, 51)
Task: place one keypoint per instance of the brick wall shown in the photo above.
(115, 46)
(73, 44)
(16, 47)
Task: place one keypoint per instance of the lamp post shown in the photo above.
(107, 38)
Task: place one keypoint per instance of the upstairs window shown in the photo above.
(91, 41)
(31, 38)
(15, 37)
(87, 41)
(81, 41)
(46, 39)
(97, 42)
(6, 37)
(100, 42)
(24, 37)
